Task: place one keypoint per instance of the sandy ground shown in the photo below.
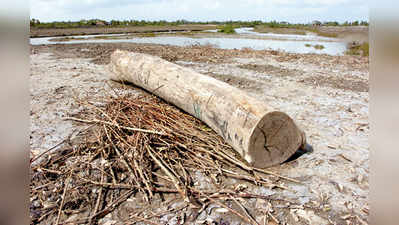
(327, 96)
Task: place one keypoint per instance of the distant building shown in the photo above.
(316, 23)
(100, 23)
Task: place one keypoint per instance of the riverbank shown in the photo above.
(351, 40)
(326, 95)
(243, 40)
(348, 33)
(52, 32)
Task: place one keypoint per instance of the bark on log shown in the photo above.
(262, 135)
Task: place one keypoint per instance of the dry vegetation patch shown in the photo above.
(144, 148)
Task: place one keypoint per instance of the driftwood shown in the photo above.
(262, 135)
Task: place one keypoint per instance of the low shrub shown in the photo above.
(360, 49)
(227, 29)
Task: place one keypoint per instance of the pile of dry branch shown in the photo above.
(137, 146)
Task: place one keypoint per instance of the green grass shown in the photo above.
(318, 47)
(362, 49)
(190, 33)
(227, 29)
(67, 39)
(365, 47)
(352, 52)
(149, 34)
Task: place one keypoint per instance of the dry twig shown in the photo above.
(139, 146)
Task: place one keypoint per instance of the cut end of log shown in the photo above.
(275, 138)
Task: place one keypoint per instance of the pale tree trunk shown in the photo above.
(262, 135)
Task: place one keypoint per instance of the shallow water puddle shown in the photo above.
(288, 43)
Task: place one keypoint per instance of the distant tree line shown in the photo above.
(35, 23)
(356, 23)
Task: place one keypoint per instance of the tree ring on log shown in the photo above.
(274, 139)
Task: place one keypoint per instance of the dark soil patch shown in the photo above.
(327, 61)
(272, 70)
(239, 82)
(338, 83)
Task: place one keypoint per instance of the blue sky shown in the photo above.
(302, 11)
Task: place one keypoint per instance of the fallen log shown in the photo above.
(262, 135)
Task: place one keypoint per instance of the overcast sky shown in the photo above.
(302, 11)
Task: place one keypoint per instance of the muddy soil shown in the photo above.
(327, 96)
(349, 33)
(51, 32)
